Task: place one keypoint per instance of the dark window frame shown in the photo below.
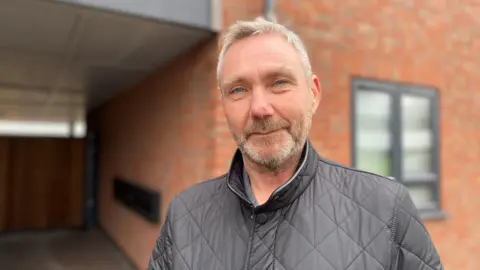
(396, 90)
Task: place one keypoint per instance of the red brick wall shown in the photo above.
(159, 135)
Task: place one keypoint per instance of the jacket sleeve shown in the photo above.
(161, 257)
(413, 245)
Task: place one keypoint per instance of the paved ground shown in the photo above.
(60, 250)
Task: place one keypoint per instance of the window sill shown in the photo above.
(432, 215)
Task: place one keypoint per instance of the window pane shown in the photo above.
(372, 134)
(422, 196)
(417, 137)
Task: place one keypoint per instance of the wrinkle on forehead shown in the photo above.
(249, 63)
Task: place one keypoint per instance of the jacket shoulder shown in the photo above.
(378, 195)
(368, 196)
(196, 195)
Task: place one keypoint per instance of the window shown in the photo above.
(395, 134)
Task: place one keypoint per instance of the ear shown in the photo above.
(316, 90)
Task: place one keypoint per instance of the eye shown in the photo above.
(237, 90)
(280, 82)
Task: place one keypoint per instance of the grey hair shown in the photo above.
(245, 29)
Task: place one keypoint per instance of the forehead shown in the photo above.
(256, 55)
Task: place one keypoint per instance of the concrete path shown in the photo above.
(60, 250)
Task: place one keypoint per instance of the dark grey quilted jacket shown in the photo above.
(326, 217)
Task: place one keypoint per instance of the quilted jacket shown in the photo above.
(325, 217)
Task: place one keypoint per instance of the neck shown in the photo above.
(264, 182)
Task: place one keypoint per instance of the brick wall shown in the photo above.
(157, 134)
(176, 139)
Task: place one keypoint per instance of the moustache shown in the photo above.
(265, 126)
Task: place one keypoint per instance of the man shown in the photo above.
(281, 205)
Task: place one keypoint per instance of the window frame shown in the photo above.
(396, 90)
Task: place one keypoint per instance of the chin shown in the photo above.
(264, 150)
(267, 144)
(266, 154)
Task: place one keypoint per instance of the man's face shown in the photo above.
(267, 98)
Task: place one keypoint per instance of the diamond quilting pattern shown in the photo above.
(313, 259)
(379, 204)
(376, 248)
(191, 232)
(365, 262)
(362, 227)
(197, 253)
(339, 250)
(338, 206)
(293, 247)
(308, 220)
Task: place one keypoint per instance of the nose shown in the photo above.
(260, 104)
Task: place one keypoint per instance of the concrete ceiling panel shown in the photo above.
(58, 60)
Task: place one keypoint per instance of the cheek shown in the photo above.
(290, 108)
(236, 115)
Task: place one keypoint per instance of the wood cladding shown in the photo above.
(41, 183)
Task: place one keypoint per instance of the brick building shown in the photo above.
(400, 89)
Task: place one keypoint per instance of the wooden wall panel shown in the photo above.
(20, 193)
(58, 173)
(77, 183)
(45, 180)
(4, 162)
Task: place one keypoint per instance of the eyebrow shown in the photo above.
(232, 81)
(273, 73)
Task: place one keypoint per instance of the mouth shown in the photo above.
(265, 133)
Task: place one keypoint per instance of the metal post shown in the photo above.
(269, 12)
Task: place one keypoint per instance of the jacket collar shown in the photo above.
(285, 194)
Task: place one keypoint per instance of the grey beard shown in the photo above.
(273, 164)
